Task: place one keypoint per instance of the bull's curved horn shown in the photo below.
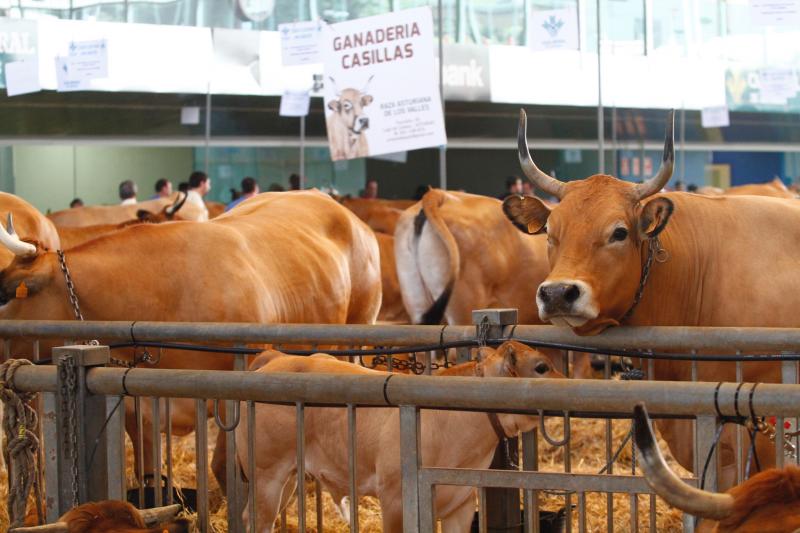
(547, 183)
(174, 208)
(9, 239)
(58, 527)
(664, 481)
(657, 182)
(159, 515)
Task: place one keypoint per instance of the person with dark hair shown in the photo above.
(513, 186)
(77, 202)
(183, 186)
(692, 188)
(199, 185)
(370, 191)
(680, 186)
(294, 182)
(127, 192)
(163, 189)
(249, 189)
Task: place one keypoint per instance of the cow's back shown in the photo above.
(95, 215)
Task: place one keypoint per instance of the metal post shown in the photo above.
(302, 152)
(502, 505)
(208, 130)
(442, 149)
(100, 467)
(51, 444)
(410, 463)
(601, 155)
(233, 480)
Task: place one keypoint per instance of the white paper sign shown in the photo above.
(775, 13)
(381, 92)
(777, 85)
(190, 116)
(66, 81)
(715, 117)
(295, 103)
(88, 59)
(300, 42)
(22, 77)
(554, 29)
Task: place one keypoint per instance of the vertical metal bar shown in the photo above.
(50, 441)
(284, 528)
(233, 481)
(168, 444)
(442, 149)
(201, 451)
(318, 504)
(427, 358)
(482, 523)
(738, 430)
(208, 130)
(610, 471)
(427, 514)
(251, 464)
(683, 140)
(352, 465)
(582, 512)
(601, 161)
(36, 351)
(410, 463)
(137, 408)
(302, 152)
(653, 513)
(706, 429)
(6, 349)
(157, 451)
(301, 466)
(788, 375)
(634, 513)
(530, 497)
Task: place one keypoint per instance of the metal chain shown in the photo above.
(768, 429)
(68, 390)
(654, 251)
(73, 297)
(416, 367)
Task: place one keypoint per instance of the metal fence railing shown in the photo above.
(156, 392)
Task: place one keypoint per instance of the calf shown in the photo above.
(347, 123)
(449, 439)
(114, 517)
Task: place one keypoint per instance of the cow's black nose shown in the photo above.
(364, 121)
(559, 293)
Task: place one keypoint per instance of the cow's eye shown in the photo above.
(542, 368)
(348, 106)
(620, 234)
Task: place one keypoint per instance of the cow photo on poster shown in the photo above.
(381, 88)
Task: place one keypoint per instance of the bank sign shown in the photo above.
(18, 42)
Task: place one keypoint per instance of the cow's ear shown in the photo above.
(654, 217)
(145, 216)
(334, 105)
(366, 100)
(527, 213)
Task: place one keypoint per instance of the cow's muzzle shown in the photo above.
(566, 302)
(361, 124)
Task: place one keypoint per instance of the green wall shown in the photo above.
(51, 176)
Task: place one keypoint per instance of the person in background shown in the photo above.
(183, 186)
(692, 188)
(199, 185)
(680, 186)
(513, 186)
(294, 182)
(370, 190)
(127, 193)
(249, 189)
(77, 202)
(163, 189)
(527, 188)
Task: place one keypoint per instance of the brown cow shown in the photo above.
(95, 215)
(380, 215)
(294, 257)
(774, 188)
(28, 224)
(768, 501)
(449, 439)
(112, 516)
(347, 123)
(214, 209)
(712, 261)
(392, 309)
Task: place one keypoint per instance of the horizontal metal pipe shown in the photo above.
(653, 338)
(36, 378)
(500, 394)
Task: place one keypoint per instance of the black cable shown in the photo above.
(102, 430)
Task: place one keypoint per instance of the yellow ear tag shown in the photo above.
(22, 290)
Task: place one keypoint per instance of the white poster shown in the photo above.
(775, 13)
(190, 115)
(777, 85)
(300, 42)
(554, 29)
(66, 80)
(295, 103)
(381, 92)
(88, 59)
(715, 117)
(22, 77)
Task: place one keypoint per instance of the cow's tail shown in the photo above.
(430, 213)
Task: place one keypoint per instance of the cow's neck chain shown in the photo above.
(73, 297)
(654, 251)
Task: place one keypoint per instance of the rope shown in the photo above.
(21, 453)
